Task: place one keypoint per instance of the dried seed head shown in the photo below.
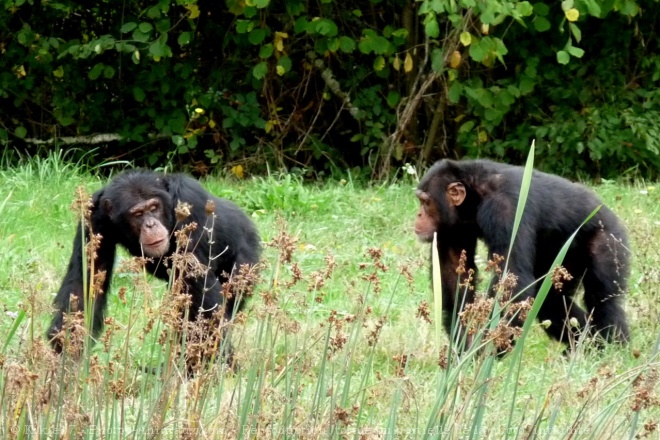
(209, 208)
(182, 211)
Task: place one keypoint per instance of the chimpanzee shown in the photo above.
(137, 210)
(463, 201)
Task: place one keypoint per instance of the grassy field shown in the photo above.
(341, 353)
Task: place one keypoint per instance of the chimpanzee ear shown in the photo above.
(455, 193)
(422, 196)
(106, 205)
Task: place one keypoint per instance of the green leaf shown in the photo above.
(526, 85)
(301, 25)
(257, 36)
(66, 120)
(163, 26)
(466, 127)
(466, 38)
(184, 38)
(477, 52)
(379, 63)
(563, 57)
(484, 97)
(140, 36)
(432, 29)
(108, 72)
(244, 26)
(346, 44)
(567, 4)
(333, 44)
(59, 72)
(541, 9)
(541, 24)
(393, 98)
(455, 92)
(153, 12)
(138, 94)
(525, 9)
(260, 70)
(593, 7)
(285, 63)
(266, 51)
(20, 132)
(145, 27)
(250, 12)
(96, 71)
(128, 27)
(260, 4)
(156, 49)
(577, 33)
(325, 27)
(575, 51)
(437, 60)
(492, 114)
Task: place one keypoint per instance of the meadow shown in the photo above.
(337, 340)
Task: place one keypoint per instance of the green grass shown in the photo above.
(348, 358)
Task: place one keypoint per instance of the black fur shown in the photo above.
(235, 242)
(555, 208)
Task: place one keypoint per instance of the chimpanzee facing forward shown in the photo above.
(466, 200)
(137, 210)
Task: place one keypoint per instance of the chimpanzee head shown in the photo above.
(440, 193)
(139, 206)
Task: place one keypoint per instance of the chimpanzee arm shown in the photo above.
(495, 218)
(73, 284)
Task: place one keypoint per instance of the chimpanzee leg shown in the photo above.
(604, 286)
(455, 297)
(558, 310)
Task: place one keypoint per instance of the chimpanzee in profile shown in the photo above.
(465, 200)
(137, 210)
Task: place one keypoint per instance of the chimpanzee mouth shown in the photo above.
(424, 237)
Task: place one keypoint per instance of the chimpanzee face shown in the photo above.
(146, 221)
(429, 217)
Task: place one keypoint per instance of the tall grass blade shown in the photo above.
(522, 199)
(437, 289)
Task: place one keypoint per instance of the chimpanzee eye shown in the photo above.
(153, 208)
(137, 214)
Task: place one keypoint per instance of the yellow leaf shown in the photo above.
(572, 14)
(280, 70)
(396, 63)
(59, 72)
(237, 171)
(408, 63)
(212, 123)
(193, 10)
(455, 59)
(278, 40)
(19, 71)
(199, 110)
(269, 126)
(485, 28)
(483, 136)
(466, 38)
